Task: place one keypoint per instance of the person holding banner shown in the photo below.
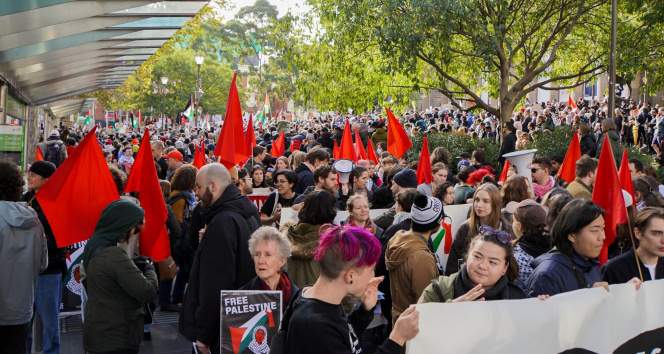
(578, 235)
(488, 274)
(486, 210)
(270, 252)
(315, 321)
(649, 230)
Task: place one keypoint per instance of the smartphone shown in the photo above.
(193, 344)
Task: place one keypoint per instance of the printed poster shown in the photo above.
(249, 320)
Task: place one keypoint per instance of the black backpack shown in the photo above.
(52, 153)
(183, 249)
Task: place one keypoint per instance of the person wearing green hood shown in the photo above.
(117, 286)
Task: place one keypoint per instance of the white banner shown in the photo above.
(622, 320)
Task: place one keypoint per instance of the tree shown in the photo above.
(506, 47)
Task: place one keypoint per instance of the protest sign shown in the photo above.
(290, 215)
(622, 320)
(249, 319)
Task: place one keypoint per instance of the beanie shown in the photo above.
(176, 155)
(426, 212)
(44, 169)
(406, 178)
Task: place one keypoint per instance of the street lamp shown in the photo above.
(163, 90)
(199, 86)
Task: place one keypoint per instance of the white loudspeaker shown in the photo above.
(521, 160)
(343, 168)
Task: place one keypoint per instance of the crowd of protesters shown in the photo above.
(521, 239)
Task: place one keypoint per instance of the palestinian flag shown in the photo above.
(442, 243)
(261, 120)
(189, 110)
(72, 279)
(252, 334)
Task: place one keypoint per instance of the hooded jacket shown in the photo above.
(557, 273)
(23, 254)
(411, 266)
(117, 290)
(379, 136)
(222, 262)
(302, 268)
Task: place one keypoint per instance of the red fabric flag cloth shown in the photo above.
(625, 176)
(360, 151)
(424, 174)
(397, 138)
(607, 194)
(230, 146)
(279, 145)
(571, 103)
(295, 145)
(335, 150)
(144, 181)
(503, 173)
(567, 171)
(371, 152)
(347, 150)
(250, 137)
(199, 157)
(39, 156)
(79, 190)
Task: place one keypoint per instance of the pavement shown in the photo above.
(165, 336)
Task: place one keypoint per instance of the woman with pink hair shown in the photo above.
(315, 321)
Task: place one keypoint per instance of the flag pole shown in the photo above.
(631, 236)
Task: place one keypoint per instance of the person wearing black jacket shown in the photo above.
(222, 260)
(509, 142)
(315, 320)
(649, 230)
(49, 284)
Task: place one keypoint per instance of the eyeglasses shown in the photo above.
(502, 236)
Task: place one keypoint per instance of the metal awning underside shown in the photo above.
(51, 50)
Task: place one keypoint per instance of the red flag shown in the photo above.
(397, 138)
(250, 137)
(279, 145)
(346, 150)
(503, 173)
(39, 156)
(371, 152)
(295, 145)
(199, 157)
(230, 145)
(571, 103)
(79, 190)
(567, 171)
(607, 194)
(625, 175)
(424, 174)
(335, 150)
(360, 151)
(143, 180)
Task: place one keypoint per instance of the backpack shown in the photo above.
(53, 152)
(182, 249)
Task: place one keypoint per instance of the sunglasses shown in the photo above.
(502, 236)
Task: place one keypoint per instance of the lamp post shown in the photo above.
(163, 90)
(199, 86)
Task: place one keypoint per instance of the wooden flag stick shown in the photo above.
(631, 236)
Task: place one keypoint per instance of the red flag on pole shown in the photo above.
(360, 151)
(279, 145)
(503, 173)
(143, 180)
(346, 150)
(424, 174)
(79, 190)
(335, 150)
(250, 136)
(567, 171)
(571, 103)
(607, 194)
(199, 157)
(371, 152)
(397, 138)
(625, 175)
(230, 145)
(39, 156)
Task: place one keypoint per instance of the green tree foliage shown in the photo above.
(505, 47)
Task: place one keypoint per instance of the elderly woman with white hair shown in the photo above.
(270, 252)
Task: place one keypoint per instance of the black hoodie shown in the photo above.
(222, 262)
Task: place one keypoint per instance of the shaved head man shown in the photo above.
(211, 182)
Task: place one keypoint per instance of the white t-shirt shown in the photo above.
(651, 269)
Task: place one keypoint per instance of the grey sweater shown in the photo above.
(23, 255)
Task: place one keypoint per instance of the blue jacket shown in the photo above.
(557, 273)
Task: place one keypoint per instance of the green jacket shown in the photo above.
(440, 290)
(302, 268)
(380, 136)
